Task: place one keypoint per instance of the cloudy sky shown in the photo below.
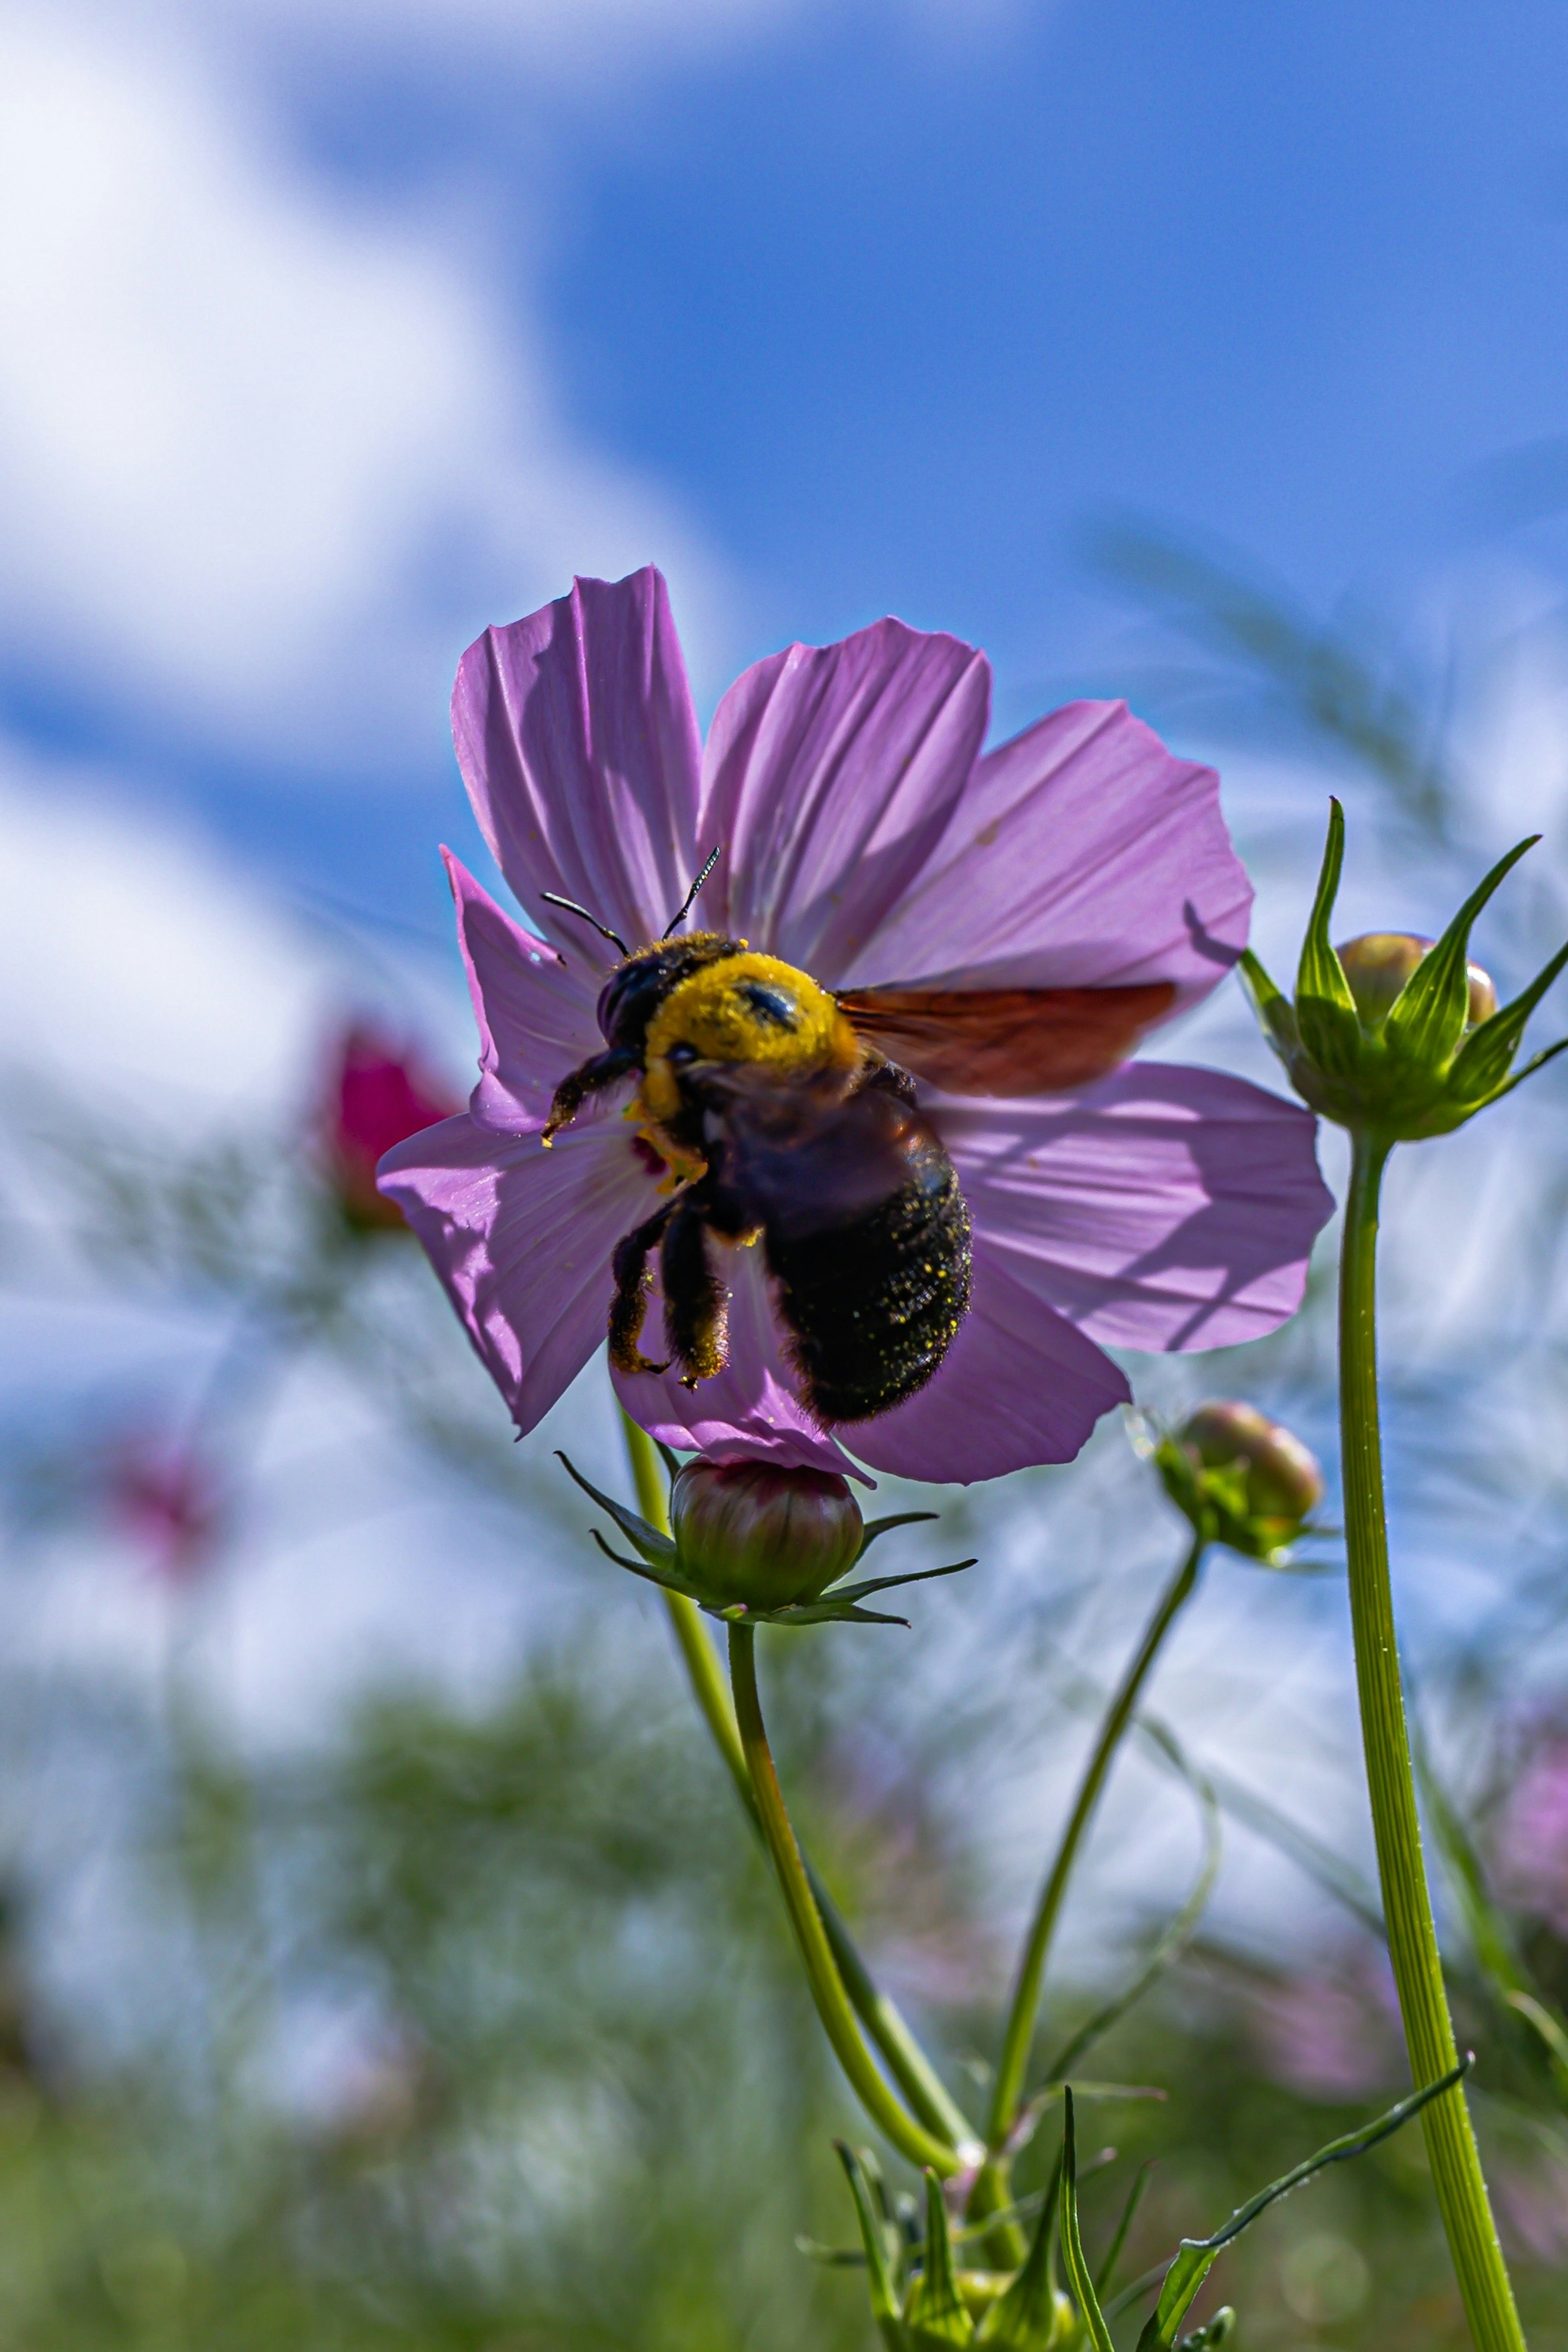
(330, 333)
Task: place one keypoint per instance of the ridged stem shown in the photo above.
(1407, 1905)
(927, 2094)
(911, 2138)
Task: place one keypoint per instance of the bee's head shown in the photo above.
(636, 989)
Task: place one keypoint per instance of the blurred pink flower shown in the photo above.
(168, 1503)
(864, 838)
(1532, 1837)
(378, 1095)
(1330, 2037)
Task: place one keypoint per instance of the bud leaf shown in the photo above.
(1326, 1017)
(657, 1550)
(1427, 1019)
(1077, 2269)
(1482, 1062)
(1196, 2257)
(1272, 1005)
(879, 2272)
(1024, 2319)
(936, 2317)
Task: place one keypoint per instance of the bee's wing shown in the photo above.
(1006, 1041)
(802, 1155)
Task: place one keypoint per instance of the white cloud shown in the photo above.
(133, 964)
(241, 424)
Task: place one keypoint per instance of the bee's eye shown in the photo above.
(771, 1006)
(679, 1056)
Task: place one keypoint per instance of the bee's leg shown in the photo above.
(696, 1300)
(633, 1283)
(599, 1071)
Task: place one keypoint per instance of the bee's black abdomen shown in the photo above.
(875, 1303)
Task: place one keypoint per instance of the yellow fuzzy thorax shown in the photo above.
(747, 1008)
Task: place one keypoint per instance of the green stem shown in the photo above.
(927, 2094)
(1406, 1903)
(911, 2138)
(1007, 2093)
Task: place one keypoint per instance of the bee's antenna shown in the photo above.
(602, 928)
(686, 905)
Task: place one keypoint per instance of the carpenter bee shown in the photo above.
(782, 1121)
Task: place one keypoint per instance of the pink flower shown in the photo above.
(168, 1502)
(378, 1096)
(866, 839)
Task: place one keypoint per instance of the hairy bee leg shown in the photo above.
(695, 1301)
(633, 1281)
(600, 1070)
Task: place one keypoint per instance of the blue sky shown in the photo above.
(835, 308)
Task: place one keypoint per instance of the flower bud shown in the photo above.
(1282, 1478)
(1378, 964)
(1239, 1478)
(751, 1534)
(377, 1096)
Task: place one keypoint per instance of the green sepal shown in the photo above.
(657, 1550)
(839, 1605)
(1215, 2331)
(1537, 1062)
(1105, 2276)
(1194, 2257)
(936, 2316)
(879, 2268)
(666, 1582)
(1426, 1020)
(1028, 2317)
(886, 1583)
(1276, 1014)
(1073, 2260)
(1326, 1017)
(1213, 1501)
(874, 1527)
(1482, 1062)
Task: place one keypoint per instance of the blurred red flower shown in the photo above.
(378, 1095)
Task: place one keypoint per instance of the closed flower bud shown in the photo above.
(1378, 964)
(1282, 1478)
(1395, 1037)
(763, 1537)
(1239, 1478)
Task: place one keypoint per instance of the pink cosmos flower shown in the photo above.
(866, 839)
(378, 1095)
(167, 1500)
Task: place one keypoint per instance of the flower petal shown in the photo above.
(829, 777)
(1018, 1386)
(747, 1413)
(1083, 855)
(522, 1239)
(534, 1010)
(578, 744)
(1165, 1208)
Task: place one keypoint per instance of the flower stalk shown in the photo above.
(1451, 2148)
(990, 2194)
(911, 2138)
(928, 2098)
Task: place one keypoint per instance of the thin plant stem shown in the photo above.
(911, 2138)
(1006, 2096)
(1406, 1901)
(927, 2094)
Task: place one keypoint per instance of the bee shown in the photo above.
(781, 1122)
